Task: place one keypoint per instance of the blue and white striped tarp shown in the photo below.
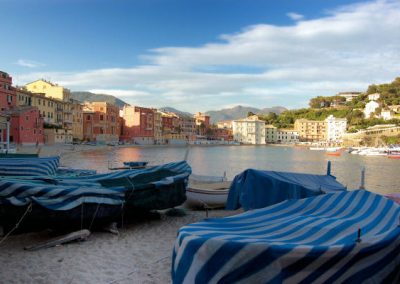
(64, 193)
(311, 240)
(57, 197)
(178, 167)
(29, 166)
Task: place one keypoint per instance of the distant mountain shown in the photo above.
(91, 97)
(174, 110)
(238, 112)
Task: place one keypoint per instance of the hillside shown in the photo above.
(238, 112)
(174, 110)
(91, 97)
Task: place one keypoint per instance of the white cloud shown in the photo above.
(347, 49)
(295, 16)
(29, 63)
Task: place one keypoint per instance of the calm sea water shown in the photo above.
(382, 174)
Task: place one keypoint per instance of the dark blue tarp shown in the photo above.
(254, 189)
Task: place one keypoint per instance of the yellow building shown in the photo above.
(50, 109)
(311, 130)
(61, 94)
(51, 90)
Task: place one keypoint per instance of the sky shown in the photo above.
(200, 55)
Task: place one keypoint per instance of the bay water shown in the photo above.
(382, 174)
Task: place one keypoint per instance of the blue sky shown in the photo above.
(201, 55)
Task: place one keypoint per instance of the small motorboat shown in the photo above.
(207, 195)
(333, 153)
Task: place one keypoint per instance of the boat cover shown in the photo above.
(311, 240)
(68, 192)
(254, 189)
(29, 166)
(57, 197)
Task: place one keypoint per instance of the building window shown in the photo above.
(26, 118)
(101, 117)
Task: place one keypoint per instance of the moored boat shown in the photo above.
(254, 189)
(207, 195)
(341, 237)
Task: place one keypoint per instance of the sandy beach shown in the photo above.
(141, 253)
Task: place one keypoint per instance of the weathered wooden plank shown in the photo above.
(74, 236)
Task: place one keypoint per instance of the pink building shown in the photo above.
(26, 126)
(138, 125)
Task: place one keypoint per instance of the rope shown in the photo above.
(28, 210)
(94, 216)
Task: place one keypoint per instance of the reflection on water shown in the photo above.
(382, 174)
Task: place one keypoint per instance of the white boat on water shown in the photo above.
(317, 148)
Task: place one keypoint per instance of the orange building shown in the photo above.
(138, 124)
(101, 122)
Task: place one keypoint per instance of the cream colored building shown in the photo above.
(287, 136)
(335, 128)
(370, 108)
(249, 130)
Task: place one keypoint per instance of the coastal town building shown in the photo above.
(271, 133)
(26, 125)
(7, 92)
(139, 124)
(202, 122)
(374, 97)
(370, 109)
(158, 137)
(77, 119)
(222, 134)
(100, 122)
(51, 90)
(335, 128)
(250, 130)
(227, 124)
(286, 136)
(187, 127)
(171, 128)
(349, 96)
(310, 130)
(54, 104)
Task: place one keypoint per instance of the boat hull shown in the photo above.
(210, 195)
(86, 216)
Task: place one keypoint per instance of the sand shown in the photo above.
(141, 253)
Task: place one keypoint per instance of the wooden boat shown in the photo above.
(207, 195)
